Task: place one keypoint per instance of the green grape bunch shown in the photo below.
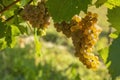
(84, 33)
(37, 16)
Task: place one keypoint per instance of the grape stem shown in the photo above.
(7, 7)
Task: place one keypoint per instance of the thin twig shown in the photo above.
(7, 7)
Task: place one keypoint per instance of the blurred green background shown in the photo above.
(56, 60)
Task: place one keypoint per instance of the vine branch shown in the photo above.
(7, 7)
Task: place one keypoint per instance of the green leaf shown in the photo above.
(9, 13)
(11, 32)
(104, 54)
(15, 30)
(1, 6)
(23, 2)
(37, 43)
(2, 44)
(2, 29)
(114, 58)
(114, 18)
(64, 10)
(23, 27)
(112, 3)
(114, 35)
(100, 3)
(7, 2)
(20, 24)
(8, 37)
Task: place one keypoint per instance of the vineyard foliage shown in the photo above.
(13, 25)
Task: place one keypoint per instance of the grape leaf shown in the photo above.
(23, 2)
(104, 54)
(11, 32)
(37, 42)
(114, 58)
(114, 35)
(8, 37)
(65, 9)
(112, 3)
(23, 27)
(100, 3)
(114, 18)
(7, 2)
(2, 44)
(1, 6)
(21, 24)
(15, 30)
(9, 13)
(2, 29)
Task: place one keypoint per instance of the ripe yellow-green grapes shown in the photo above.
(84, 33)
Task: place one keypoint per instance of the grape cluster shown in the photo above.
(36, 15)
(84, 33)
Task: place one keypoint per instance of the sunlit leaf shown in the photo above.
(104, 54)
(37, 43)
(23, 27)
(114, 35)
(65, 9)
(112, 3)
(24, 2)
(15, 30)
